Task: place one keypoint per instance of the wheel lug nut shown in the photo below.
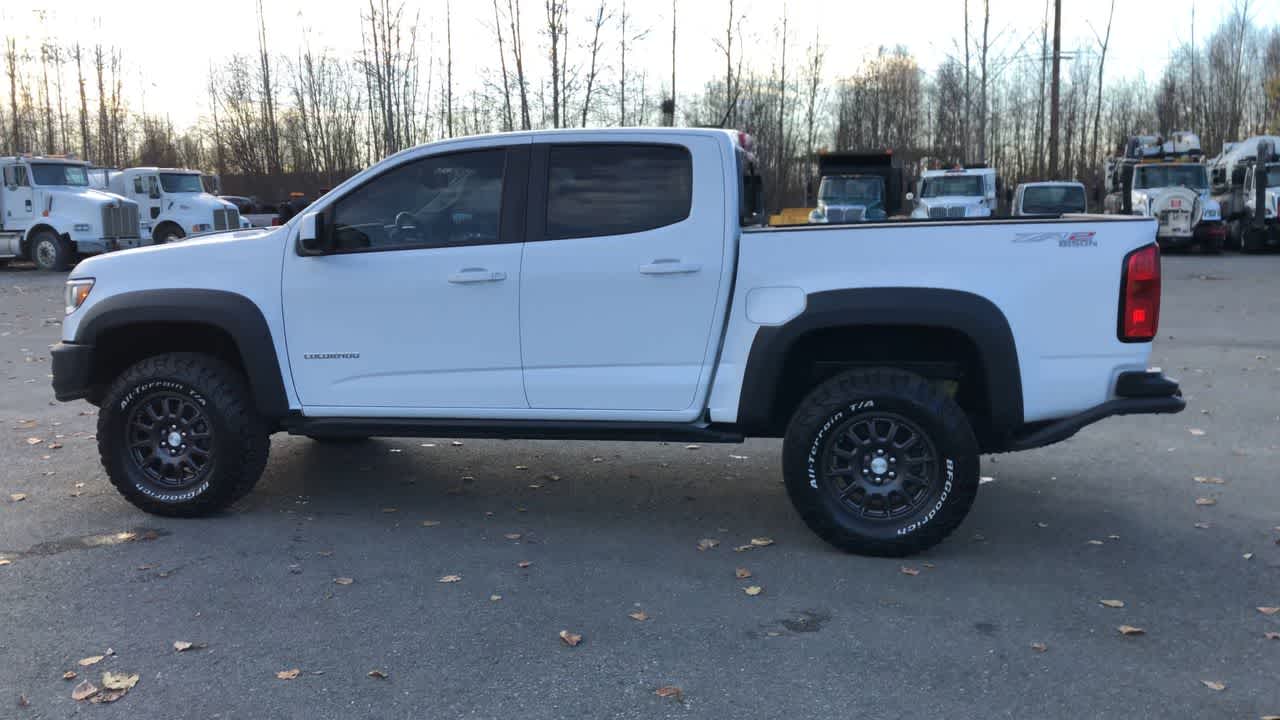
(880, 452)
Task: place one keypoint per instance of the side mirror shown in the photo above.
(314, 237)
(911, 196)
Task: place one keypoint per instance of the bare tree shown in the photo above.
(556, 28)
(517, 53)
(597, 22)
(508, 122)
(85, 144)
(11, 69)
(1055, 81)
(268, 98)
(1103, 42)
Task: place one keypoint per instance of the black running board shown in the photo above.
(511, 429)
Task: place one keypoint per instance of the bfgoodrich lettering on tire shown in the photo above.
(178, 435)
(880, 462)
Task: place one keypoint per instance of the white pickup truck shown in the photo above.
(615, 284)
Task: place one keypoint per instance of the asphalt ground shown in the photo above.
(613, 528)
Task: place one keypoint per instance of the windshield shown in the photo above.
(1053, 200)
(850, 190)
(181, 183)
(1273, 176)
(944, 185)
(59, 174)
(1159, 176)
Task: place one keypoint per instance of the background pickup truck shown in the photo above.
(612, 284)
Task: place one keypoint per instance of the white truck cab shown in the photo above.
(174, 203)
(955, 193)
(1047, 199)
(49, 213)
(1271, 188)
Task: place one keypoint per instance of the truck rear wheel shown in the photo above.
(178, 435)
(880, 462)
(50, 252)
(167, 233)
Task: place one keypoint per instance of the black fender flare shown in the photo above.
(234, 314)
(971, 315)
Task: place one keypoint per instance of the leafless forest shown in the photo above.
(306, 119)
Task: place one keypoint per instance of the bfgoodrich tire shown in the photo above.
(880, 462)
(178, 435)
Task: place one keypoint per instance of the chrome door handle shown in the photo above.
(669, 266)
(476, 275)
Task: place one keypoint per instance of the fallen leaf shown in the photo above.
(638, 615)
(69, 675)
(1271, 635)
(1269, 610)
(1096, 542)
(1209, 480)
(707, 544)
(108, 652)
(1042, 525)
(1112, 603)
(753, 590)
(23, 701)
(343, 581)
(570, 639)
(1196, 431)
(430, 523)
(18, 497)
(325, 553)
(535, 486)
(107, 696)
(1206, 501)
(1039, 647)
(34, 441)
(1131, 630)
(908, 571)
(512, 536)
(83, 691)
(288, 674)
(91, 660)
(692, 447)
(5, 561)
(524, 564)
(119, 681)
(1113, 537)
(54, 446)
(1203, 525)
(670, 691)
(495, 598)
(378, 674)
(744, 548)
(1214, 685)
(184, 645)
(762, 541)
(742, 573)
(456, 443)
(985, 479)
(1247, 556)
(450, 579)
(929, 565)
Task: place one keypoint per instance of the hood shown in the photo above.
(216, 247)
(80, 195)
(949, 200)
(188, 201)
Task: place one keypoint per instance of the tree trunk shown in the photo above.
(1053, 92)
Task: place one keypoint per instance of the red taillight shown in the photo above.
(276, 220)
(1140, 295)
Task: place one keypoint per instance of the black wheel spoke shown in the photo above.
(880, 466)
(169, 438)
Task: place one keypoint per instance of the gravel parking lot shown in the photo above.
(333, 566)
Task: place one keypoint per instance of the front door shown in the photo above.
(18, 212)
(416, 312)
(619, 291)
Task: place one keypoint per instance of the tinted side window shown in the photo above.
(445, 200)
(616, 189)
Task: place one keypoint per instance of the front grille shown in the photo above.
(937, 212)
(951, 211)
(851, 215)
(955, 211)
(120, 220)
(226, 219)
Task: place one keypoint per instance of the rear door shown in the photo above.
(622, 274)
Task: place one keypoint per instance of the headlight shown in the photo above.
(77, 292)
(81, 227)
(201, 228)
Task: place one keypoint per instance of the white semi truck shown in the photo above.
(49, 213)
(1166, 179)
(1246, 183)
(955, 193)
(174, 203)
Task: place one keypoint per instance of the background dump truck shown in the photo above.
(50, 213)
(857, 187)
(1248, 206)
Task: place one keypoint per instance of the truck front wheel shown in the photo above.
(880, 462)
(178, 435)
(167, 233)
(50, 252)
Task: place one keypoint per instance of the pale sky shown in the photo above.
(169, 47)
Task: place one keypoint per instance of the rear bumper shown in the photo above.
(71, 364)
(1137, 393)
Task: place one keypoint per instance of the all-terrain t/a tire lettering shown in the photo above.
(880, 462)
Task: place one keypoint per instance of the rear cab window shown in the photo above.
(602, 189)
